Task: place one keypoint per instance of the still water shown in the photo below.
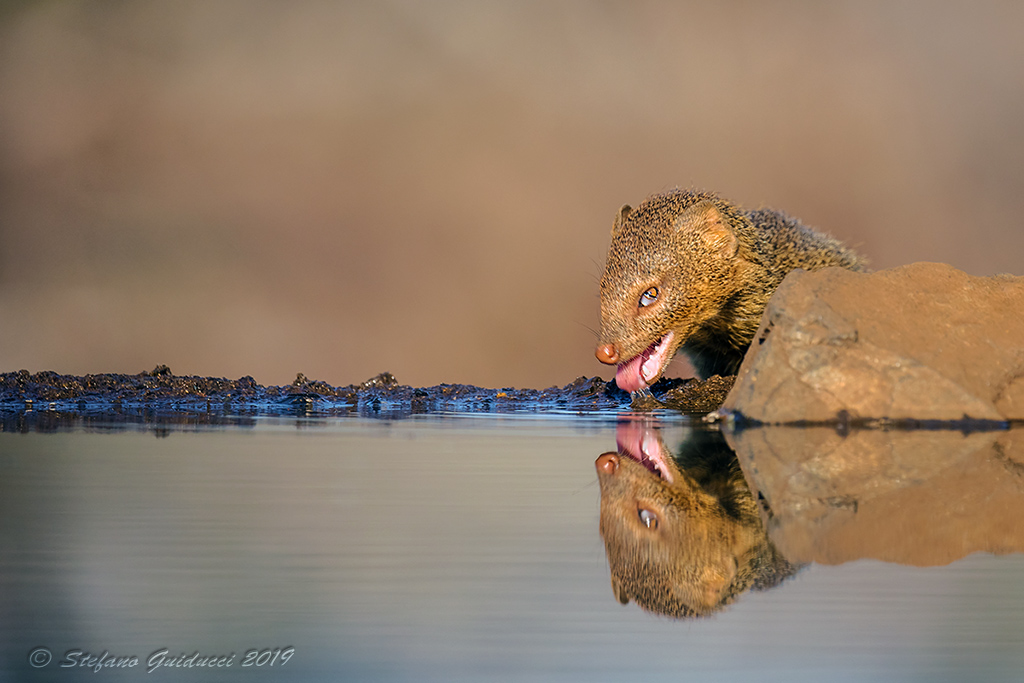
(458, 548)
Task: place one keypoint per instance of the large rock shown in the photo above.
(920, 342)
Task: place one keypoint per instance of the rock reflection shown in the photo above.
(682, 533)
(924, 497)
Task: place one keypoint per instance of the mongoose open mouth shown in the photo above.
(643, 370)
(641, 443)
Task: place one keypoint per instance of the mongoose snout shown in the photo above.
(607, 354)
(607, 463)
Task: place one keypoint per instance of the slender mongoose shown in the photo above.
(689, 271)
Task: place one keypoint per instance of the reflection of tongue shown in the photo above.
(642, 370)
(640, 441)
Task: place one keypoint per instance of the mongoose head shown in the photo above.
(674, 547)
(673, 263)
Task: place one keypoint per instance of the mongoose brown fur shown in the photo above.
(689, 271)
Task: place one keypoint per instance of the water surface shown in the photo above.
(432, 548)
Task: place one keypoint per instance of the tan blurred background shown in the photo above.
(339, 189)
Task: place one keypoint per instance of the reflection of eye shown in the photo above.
(649, 519)
(648, 297)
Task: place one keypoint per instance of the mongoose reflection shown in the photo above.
(682, 535)
(689, 271)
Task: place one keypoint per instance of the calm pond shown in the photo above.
(469, 548)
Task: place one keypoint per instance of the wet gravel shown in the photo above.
(48, 400)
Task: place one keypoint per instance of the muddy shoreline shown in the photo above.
(47, 400)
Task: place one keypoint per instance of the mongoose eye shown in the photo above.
(648, 297)
(649, 519)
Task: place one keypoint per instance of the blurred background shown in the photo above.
(338, 189)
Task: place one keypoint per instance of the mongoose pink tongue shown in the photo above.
(643, 370)
(638, 440)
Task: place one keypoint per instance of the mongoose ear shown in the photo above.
(714, 583)
(620, 217)
(708, 222)
(619, 593)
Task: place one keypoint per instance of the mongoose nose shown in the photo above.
(607, 463)
(607, 354)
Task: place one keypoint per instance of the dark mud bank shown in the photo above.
(49, 400)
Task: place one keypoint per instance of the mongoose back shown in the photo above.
(689, 271)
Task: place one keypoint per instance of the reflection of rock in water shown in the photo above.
(917, 497)
(682, 534)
